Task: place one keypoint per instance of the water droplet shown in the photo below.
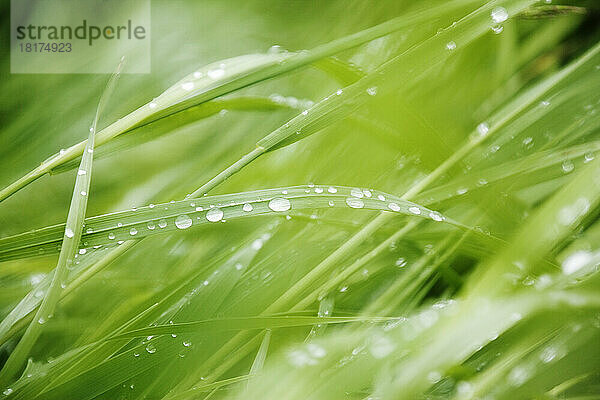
(451, 45)
(518, 376)
(331, 189)
(111, 236)
(247, 207)
(150, 348)
(357, 193)
(81, 172)
(575, 261)
(436, 216)
(214, 215)
(372, 91)
(216, 73)
(152, 105)
(318, 190)
(187, 343)
(483, 129)
(354, 202)
(151, 225)
(42, 321)
(434, 376)
(381, 197)
(69, 233)
(394, 207)
(183, 222)
(82, 251)
(381, 346)
(187, 86)
(567, 166)
(415, 210)
(162, 223)
(497, 29)
(279, 204)
(401, 262)
(83, 193)
(339, 91)
(133, 231)
(499, 15)
(7, 391)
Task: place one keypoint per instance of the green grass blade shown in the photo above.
(70, 243)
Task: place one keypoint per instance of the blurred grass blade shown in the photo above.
(70, 244)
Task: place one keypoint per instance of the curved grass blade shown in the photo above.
(70, 243)
(133, 224)
(163, 126)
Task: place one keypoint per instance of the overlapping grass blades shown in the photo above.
(70, 241)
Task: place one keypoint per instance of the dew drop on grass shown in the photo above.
(499, 15)
(372, 91)
(82, 251)
(152, 105)
(357, 193)
(401, 262)
(497, 29)
(394, 207)
(451, 45)
(151, 225)
(567, 166)
(575, 261)
(183, 222)
(7, 391)
(133, 231)
(81, 172)
(162, 223)
(436, 216)
(415, 210)
(247, 207)
(331, 189)
(381, 197)
(187, 86)
(214, 215)
(150, 348)
(279, 204)
(69, 233)
(354, 202)
(187, 343)
(111, 236)
(483, 129)
(318, 190)
(216, 73)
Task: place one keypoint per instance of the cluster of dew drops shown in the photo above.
(498, 16)
(355, 200)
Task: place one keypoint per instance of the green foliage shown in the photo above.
(349, 288)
